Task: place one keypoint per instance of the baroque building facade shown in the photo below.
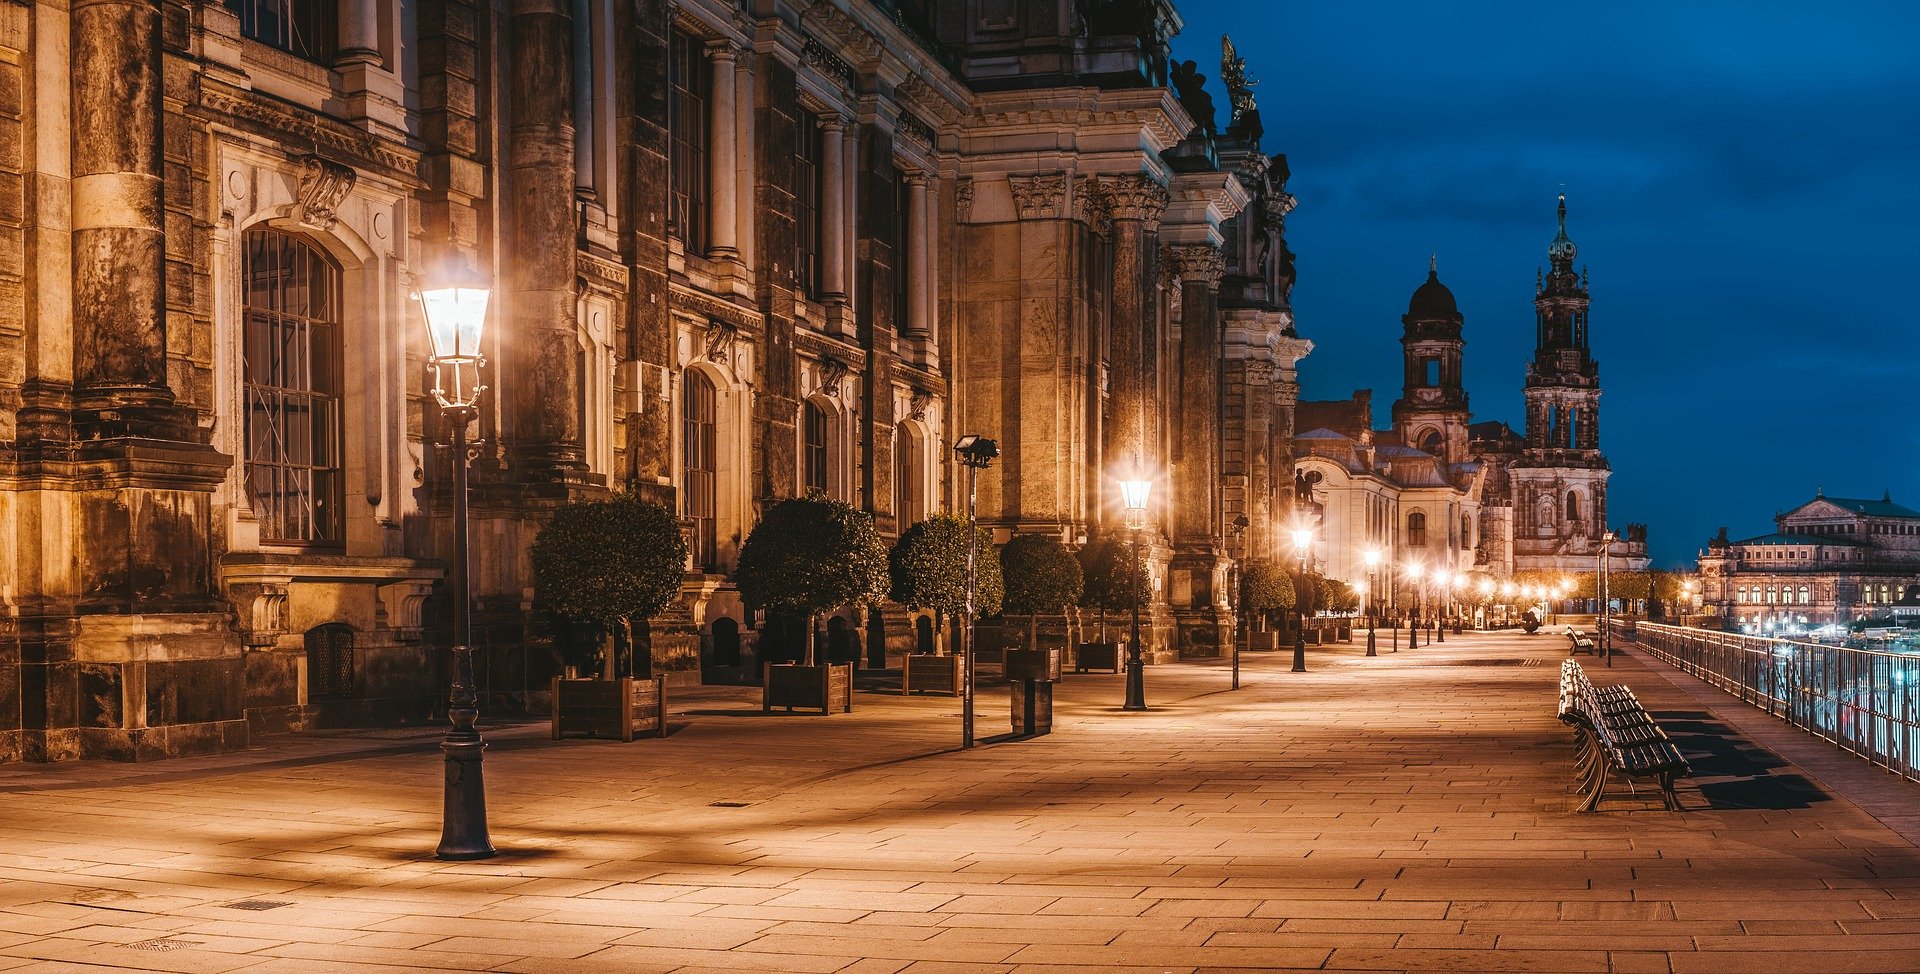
(1507, 503)
(740, 250)
(1828, 561)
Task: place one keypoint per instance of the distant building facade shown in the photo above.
(740, 250)
(1437, 487)
(1831, 560)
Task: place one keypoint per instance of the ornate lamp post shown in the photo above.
(1606, 567)
(1303, 549)
(1486, 603)
(1444, 580)
(456, 314)
(1417, 572)
(976, 453)
(1372, 558)
(1240, 525)
(1134, 495)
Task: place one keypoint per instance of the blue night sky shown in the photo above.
(1740, 179)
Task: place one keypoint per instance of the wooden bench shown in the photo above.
(1616, 735)
(1582, 643)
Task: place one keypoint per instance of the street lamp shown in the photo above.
(976, 453)
(1238, 601)
(1303, 549)
(1372, 558)
(456, 314)
(1606, 565)
(1134, 495)
(1416, 571)
(1486, 604)
(1444, 580)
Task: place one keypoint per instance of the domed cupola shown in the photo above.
(1432, 301)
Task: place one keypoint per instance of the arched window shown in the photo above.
(1431, 442)
(1573, 505)
(700, 464)
(1740, 594)
(293, 389)
(1417, 530)
(305, 28)
(1466, 531)
(906, 479)
(813, 447)
(1806, 595)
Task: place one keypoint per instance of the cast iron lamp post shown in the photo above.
(1372, 558)
(976, 453)
(1445, 581)
(456, 314)
(1606, 567)
(1235, 597)
(1133, 496)
(1417, 572)
(1303, 549)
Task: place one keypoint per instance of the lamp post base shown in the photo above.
(1300, 650)
(463, 828)
(1370, 641)
(1136, 682)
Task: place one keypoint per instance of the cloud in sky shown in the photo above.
(1740, 179)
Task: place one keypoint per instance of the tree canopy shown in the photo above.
(1112, 579)
(811, 555)
(1265, 586)
(609, 561)
(928, 566)
(1041, 575)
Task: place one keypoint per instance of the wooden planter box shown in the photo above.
(619, 709)
(1265, 642)
(1098, 656)
(827, 688)
(925, 673)
(1033, 664)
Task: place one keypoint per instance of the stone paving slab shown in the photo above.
(1404, 813)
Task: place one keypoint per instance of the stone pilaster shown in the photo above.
(1133, 206)
(542, 384)
(1199, 567)
(640, 131)
(833, 209)
(722, 154)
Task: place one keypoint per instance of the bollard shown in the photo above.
(1032, 707)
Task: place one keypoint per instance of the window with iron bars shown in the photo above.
(292, 350)
(303, 28)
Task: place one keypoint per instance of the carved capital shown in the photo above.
(323, 185)
(1041, 196)
(1278, 205)
(1260, 372)
(1196, 263)
(1135, 197)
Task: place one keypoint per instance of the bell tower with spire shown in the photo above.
(1560, 479)
(1431, 414)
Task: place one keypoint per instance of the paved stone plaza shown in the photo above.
(1402, 813)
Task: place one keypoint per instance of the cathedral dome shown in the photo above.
(1432, 300)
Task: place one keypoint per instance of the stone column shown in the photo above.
(723, 216)
(119, 253)
(927, 260)
(1196, 468)
(1134, 204)
(585, 180)
(913, 263)
(833, 208)
(541, 385)
(359, 33)
(850, 196)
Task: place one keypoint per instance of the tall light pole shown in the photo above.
(456, 313)
(1303, 549)
(1372, 558)
(1444, 579)
(1134, 495)
(976, 453)
(1417, 572)
(1238, 599)
(1606, 567)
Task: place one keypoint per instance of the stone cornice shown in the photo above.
(683, 298)
(1153, 111)
(291, 125)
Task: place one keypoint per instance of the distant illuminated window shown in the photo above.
(1806, 595)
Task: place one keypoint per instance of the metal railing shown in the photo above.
(1864, 701)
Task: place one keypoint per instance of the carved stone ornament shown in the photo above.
(721, 338)
(323, 185)
(917, 407)
(1041, 196)
(1259, 371)
(1197, 263)
(1090, 205)
(832, 373)
(963, 199)
(1135, 197)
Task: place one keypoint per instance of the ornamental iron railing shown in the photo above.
(1865, 701)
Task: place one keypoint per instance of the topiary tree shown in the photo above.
(811, 555)
(928, 567)
(1340, 596)
(610, 562)
(1112, 578)
(1265, 586)
(1041, 576)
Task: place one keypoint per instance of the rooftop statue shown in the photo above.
(1191, 86)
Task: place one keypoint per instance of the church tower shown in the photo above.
(1431, 414)
(1560, 479)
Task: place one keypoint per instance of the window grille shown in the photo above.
(303, 28)
(293, 389)
(700, 429)
(814, 450)
(807, 192)
(330, 663)
(689, 82)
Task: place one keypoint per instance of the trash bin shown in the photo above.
(1030, 674)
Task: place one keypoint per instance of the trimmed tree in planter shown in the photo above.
(1265, 587)
(928, 567)
(1041, 576)
(809, 556)
(609, 563)
(1111, 579)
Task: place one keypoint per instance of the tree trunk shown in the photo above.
(812, 637)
